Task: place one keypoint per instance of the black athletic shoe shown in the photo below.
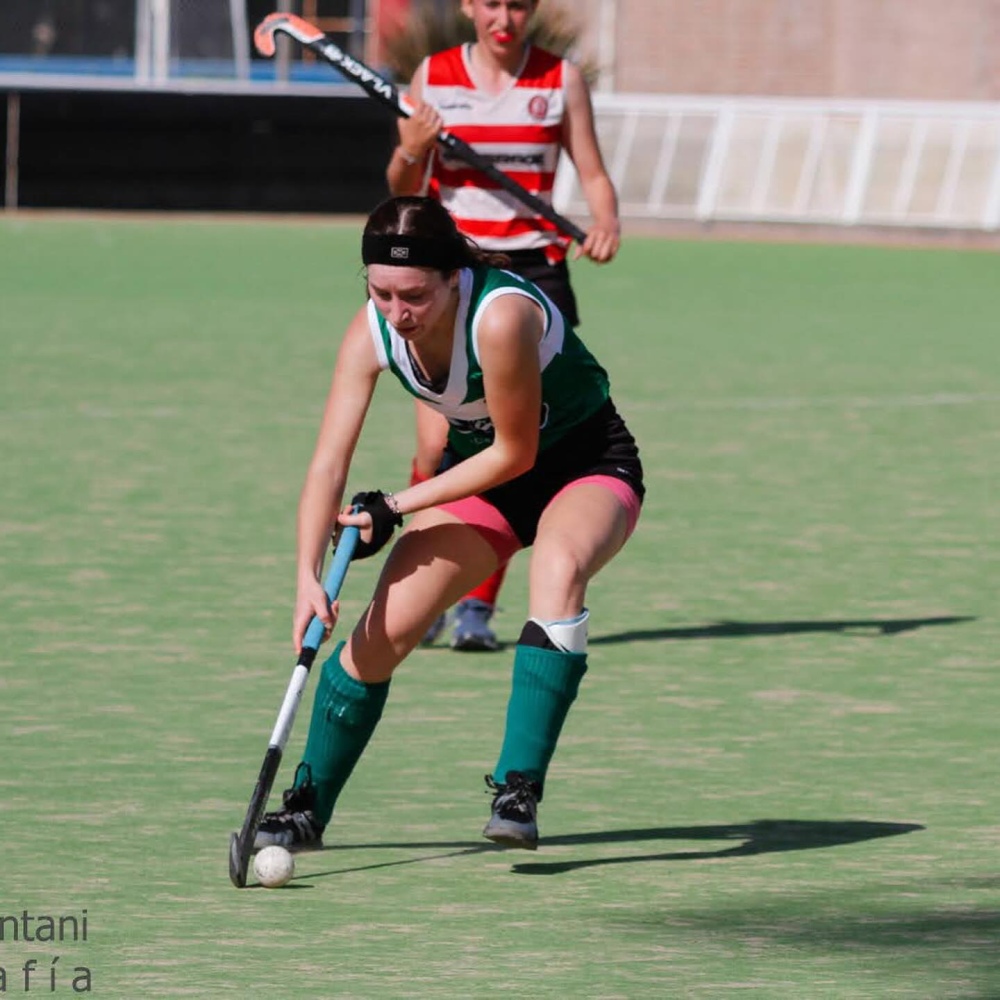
(294, 826)
(513, 820)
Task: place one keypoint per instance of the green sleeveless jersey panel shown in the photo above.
(574, 385)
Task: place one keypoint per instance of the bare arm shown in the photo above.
(509, 333)
(351, 390)
(406, 173)
(580, 142)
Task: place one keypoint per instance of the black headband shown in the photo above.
(399, 250)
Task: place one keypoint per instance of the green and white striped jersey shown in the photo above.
(574, 385)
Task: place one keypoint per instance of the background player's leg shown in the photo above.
(432, 436)
(472, 632)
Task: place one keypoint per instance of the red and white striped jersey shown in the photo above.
(518, 130)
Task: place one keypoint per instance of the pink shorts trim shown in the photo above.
(627, 496)
(492, 525)
(488, 521)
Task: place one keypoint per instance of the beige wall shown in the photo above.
(909, 49)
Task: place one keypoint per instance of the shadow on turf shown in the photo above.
(765, 836)
(943, 950)
(737, 630)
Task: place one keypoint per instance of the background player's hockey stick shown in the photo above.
(382, 90)
(241, 844)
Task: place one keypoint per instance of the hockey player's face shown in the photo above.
(415, 300)
(500, 24)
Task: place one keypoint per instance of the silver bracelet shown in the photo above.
(393, 504)
(407, 157)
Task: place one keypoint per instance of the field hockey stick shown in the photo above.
(382, 90)
(241, 844)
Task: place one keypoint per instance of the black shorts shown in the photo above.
(599, 446)
(553, 279)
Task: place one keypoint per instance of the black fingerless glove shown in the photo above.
(385, 520)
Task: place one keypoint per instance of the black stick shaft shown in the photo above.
(241, 843)
(388, 94)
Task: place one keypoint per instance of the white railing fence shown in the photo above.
(883, 163)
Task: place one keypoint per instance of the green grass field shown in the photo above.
(780, 779)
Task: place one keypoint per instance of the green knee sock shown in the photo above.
(344, 717)
(544, 686)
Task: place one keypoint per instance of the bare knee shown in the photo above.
(558, 582)
(434, 562)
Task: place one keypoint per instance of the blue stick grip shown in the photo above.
(334, 579)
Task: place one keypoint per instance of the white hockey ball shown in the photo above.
(273, 866)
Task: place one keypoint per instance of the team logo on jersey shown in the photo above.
(503, 161)
(538, 107)
(480, 429)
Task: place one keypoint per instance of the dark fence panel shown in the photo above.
(171, 151)
(67, 27)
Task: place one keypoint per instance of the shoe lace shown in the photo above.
(518, 794)
(475, 609)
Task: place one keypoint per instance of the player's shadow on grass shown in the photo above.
(765, 836)
(738, 630)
